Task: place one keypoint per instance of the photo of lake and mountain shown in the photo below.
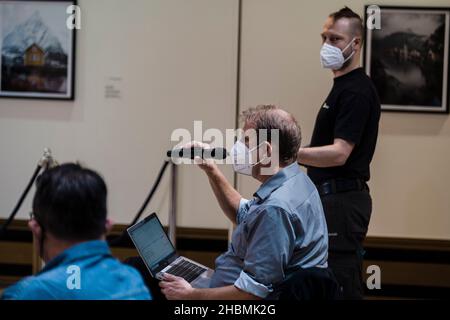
(407, 59)
(36, 49)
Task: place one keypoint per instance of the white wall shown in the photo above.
(177, 60)
(281, 43)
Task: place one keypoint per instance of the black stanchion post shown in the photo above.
(173, 204)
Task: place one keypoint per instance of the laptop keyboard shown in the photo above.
(186, 270)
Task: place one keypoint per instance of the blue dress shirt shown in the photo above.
(281, 229)
(86, 271)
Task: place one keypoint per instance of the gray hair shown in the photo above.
(271, 117)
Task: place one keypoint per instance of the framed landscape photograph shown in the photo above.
(408, 58)
(37, 50)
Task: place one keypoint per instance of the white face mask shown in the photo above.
(243, 161)
(332, 57)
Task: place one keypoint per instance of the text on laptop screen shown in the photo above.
(152, 242)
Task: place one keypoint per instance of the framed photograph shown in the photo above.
(408, 58)
(37, 50)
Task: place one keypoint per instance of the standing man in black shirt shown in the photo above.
(342, 147)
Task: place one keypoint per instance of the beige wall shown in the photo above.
(281, 65)
(178, 60)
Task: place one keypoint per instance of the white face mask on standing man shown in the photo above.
(333, 58)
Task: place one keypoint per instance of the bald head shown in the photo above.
(270, 117)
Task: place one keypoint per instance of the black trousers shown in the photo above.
(312, 284)
(348, 216)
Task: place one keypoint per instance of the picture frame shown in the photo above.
(408, 58)
(37, 50)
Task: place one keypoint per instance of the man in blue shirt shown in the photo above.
(69, 224)
(282, 229)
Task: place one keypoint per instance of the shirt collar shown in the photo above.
(350, 74)
(277, 180)
(79, 252)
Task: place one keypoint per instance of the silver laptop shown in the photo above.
(160, 256)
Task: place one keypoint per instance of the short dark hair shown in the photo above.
(70, 203)
(357, 23)
(271, 117)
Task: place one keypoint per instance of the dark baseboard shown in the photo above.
(411, 268)
(389, 291)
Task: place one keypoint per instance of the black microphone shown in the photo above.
(191, 153)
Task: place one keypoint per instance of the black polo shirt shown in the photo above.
(352, 113)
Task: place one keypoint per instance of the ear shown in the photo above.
(108, 225)
(266, 153)
(35, 228)
(269, 150)
(357, 43)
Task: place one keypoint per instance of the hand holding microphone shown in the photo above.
(201, 153)
(195, 149)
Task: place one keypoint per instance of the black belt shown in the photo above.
(334, 186)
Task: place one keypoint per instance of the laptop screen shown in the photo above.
(151, 241)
